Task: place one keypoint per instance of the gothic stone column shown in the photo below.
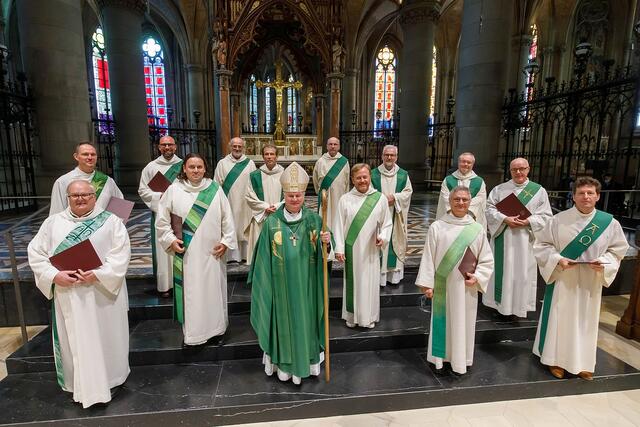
(122, 21)
(195, 81)
(54, 55)
(484, 47)
(348, 97)
(335, 80)
(235, 113)
(319, 113)
(418, 22)
(224, 77)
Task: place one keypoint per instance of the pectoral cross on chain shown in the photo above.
(293, 239)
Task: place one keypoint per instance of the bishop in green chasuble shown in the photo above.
(286, 281)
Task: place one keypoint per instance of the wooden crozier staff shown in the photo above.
(327, 355)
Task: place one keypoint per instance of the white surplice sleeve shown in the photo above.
(427, 272)
(39, 252)
(164, 232)
(545, 251)
(228, 230)
(112, 272)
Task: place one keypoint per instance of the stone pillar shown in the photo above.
(195, 81)
(122, 22)
(320, 99)
(348, 97)
(521, 44)
(484, 48)
(418, 21)
(335, 80)
(235, 114)
(224, 77)
(54, 56)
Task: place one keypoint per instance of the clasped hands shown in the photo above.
(566, 264)
(218, 250)
(67, 278)
(342, 258)
(515, 221)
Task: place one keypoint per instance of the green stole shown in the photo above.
(171, 174)
(79, 234)
(189, 228)
(474, 185)
(439, 301)
(286, 291)
(255, 178)
(98, 181)
(354, 229)
(233, 175)
(573, 250)
(401, 182)
(525, 196)
(330, 177)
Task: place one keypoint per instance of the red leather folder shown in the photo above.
(159, 183)
(120, 207)
(468, 263)
(79, 257)
(512, 206)
(176, 226)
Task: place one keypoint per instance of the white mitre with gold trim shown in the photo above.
(294, 179)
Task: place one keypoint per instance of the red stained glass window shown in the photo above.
(101, 79)
(385, 92)
(155, 82)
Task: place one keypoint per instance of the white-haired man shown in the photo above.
(394, 183)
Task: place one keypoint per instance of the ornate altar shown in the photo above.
(298, 148)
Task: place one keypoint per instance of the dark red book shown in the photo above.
(79, 257)
(512, 206)
(120, 207)
(176, 226)
(468, 263)
(159, 183)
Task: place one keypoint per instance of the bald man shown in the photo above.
(331, 172)
(232, 173)
(512, 288)
(169, 165)
(466, 177)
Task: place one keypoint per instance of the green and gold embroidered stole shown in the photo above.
(171, 174)
(189, 227)
(401, 181)
(573, 250)
(474, 185)
(233, 175)
(439, 301)
(525, 196)
(98, 182)
(79, 234)
(354, 229)
(331, 176)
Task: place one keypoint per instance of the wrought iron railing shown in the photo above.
(365, 146)
(440, 147)
(583, 127)
(105, 134)
(188, 140)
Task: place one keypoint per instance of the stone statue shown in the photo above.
(220, 50)
(336, 53)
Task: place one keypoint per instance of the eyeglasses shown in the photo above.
(519, 170)
(461, 200)
(81, 196)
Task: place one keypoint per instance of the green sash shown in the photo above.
(330, 177)
(256, 183)
(474, 185)
(354, 229)
(439, 301)
(573, 250)
(79, 234)
(525, 196)
(98, 181)
(233, 175)
(401, 181)
(171, 174)
(189, 228)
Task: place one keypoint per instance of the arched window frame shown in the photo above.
(434, 80)
(292, 106)
(268, 119)
(252, 102)
(533, 51)
(385, 84)
(102, 87)
(155, 81)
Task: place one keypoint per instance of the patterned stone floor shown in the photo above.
(421, 214)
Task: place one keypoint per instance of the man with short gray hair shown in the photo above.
(456, 264)
(466, 177)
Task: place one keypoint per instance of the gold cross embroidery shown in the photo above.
(529, 195)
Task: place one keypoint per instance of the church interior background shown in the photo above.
(555, 81)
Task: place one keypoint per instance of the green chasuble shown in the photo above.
(286, 281)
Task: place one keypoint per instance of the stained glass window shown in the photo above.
(267, 107)
(533, 50)
(434, 74)
(154, 82)
(385, 88)
(253, 102)
(292, 106)
(101, 78)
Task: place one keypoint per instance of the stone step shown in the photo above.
(159, 341)
(238, 391)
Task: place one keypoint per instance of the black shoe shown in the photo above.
(115, 390)
(217, 340)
